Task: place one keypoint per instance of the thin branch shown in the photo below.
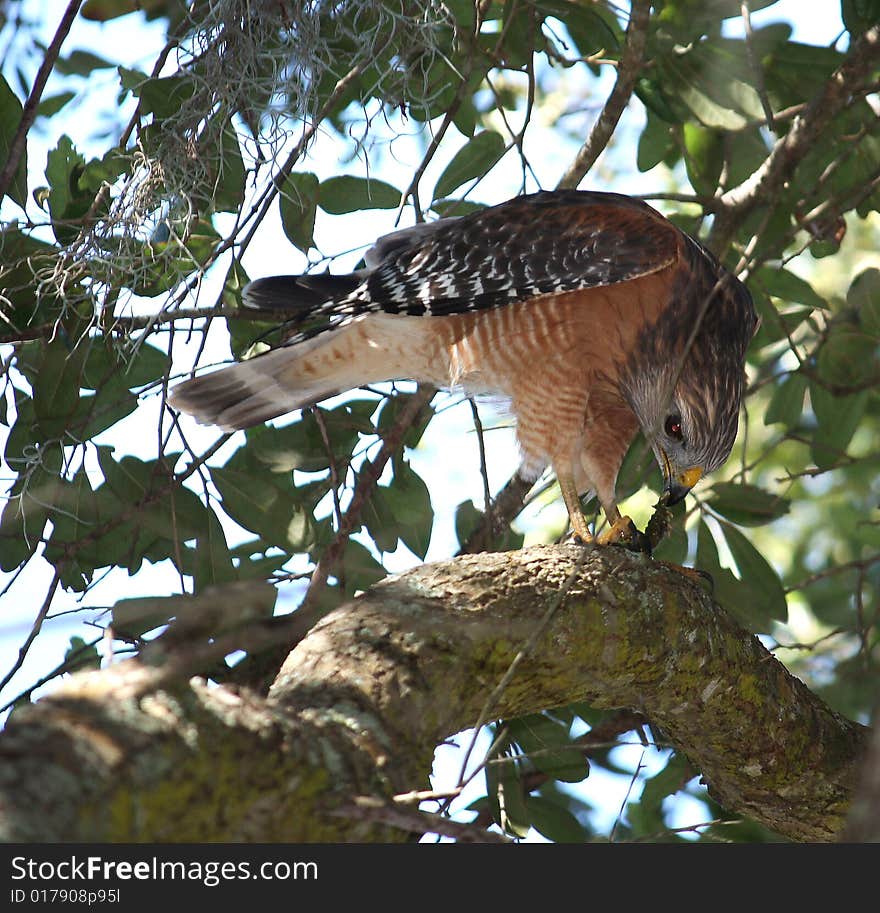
(484, 467)
(755, 64)
(35, 629)
(631, 61)
(367, 808)
(367, 479)
(29, 111)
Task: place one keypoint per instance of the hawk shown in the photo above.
(590, 312)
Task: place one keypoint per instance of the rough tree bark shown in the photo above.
(363, 700)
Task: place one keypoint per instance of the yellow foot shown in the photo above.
(623, 532)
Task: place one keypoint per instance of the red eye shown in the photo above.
(673, 427)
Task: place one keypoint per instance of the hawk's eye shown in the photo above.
(673, 427)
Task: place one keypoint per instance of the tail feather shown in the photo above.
(250, 392)
(298, 294)
(369, 349)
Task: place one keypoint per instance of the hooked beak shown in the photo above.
(677, 486)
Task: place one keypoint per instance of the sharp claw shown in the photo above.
(625, 534)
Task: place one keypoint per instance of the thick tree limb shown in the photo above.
(363, 700)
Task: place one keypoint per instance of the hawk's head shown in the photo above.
(685, 381)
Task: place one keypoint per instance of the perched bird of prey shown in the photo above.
(592, 313)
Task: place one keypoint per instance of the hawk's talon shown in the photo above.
(624, 533)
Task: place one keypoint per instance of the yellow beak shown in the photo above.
(690, 477)
(678, 486)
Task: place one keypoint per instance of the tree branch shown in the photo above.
(627, 73)
(363, 700)
(29, 111)
(806, 129)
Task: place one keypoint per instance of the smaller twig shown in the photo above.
(632, 783)
(35, 629)
(755, 64)
(484, 468)
(631, 61)
(367, 479)
(29, 111)
(859, 565)
(334, 472)
(367, 808)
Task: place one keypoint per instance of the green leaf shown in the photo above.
(227, 190)
(213, 563)
(380, 520)
(264, 508)
(729, 592)
(517, 38)
(177, 513)
(95, 414)
(360, 570)
(81, 63)
(787, 403)
(136, 366)
(848, 357)
(24, 517)
(548, 746)
(704, 156)
(299, 202)
(646, 814)
(554, 821)
(75, 516)
(301, 444)
(473, 160)
(455, 207)
(390, 413)
(104, 10)
(51, 105)
(784, 284)
(864, 297)
(768, 594)
(165, 95)
(20, 255)
(467, 519)
(131, 80)
(136, 616)
(348, 193)
(652, 95)
(655, 143)
(410, 503)
(705, 109)
(590, 31)
(81, 655)
(507, 798)
(859, 15)
(747, 505)
(56, 386)
(837, 417)
(10, 118)
(67, 200)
